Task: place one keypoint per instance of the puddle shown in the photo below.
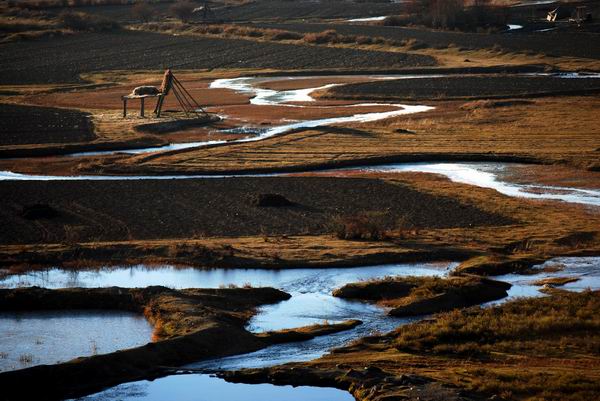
(314, 285)
(48, 337)
(209, 388)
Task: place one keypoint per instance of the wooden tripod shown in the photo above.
(185, 99)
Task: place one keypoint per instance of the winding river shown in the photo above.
(488, 175)
(481, 174)
(311, 303)
(311, 289)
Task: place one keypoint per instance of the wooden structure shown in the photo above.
(582, 15)
(559, 13)
(169, 84)
(205, 12)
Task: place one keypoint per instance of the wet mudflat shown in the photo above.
(48, 337)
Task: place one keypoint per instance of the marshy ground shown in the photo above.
(283, 97)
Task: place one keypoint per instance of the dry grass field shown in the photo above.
(540, 130)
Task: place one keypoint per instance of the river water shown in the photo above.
(47, 337)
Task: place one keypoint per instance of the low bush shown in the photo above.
(475, 15)
(143, 11)
(183, 10)
(285, 35)
(365, 226)
(78, 21)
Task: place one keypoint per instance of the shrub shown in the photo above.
(285, 35)
(366, 226)
(328, 36)
(364, 40)
(78, 21)
(183, 10)
(142, 11)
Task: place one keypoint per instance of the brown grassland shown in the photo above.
(534, 349)
(540, 230)
(527, 349)
(534, 132)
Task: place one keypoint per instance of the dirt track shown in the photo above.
(111, 210)
(64, 59)
(20, 125)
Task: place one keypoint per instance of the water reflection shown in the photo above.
(209, 388)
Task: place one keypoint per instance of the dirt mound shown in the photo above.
(271, 200)
(38, 211)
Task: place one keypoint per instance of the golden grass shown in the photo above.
(546, 227)
(529, 349)
(556, 281)
(552, 130)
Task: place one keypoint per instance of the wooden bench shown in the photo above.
(164, 90)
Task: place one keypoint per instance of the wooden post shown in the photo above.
(124, 106)
(158, 107)
(142, 106)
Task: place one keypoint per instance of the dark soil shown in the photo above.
(271, 200)
(38, 211)
(571, 44)
(63, 59)
(278, 10)
(274, 10)
(113, 210)
(465, 87)
(23, 125)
